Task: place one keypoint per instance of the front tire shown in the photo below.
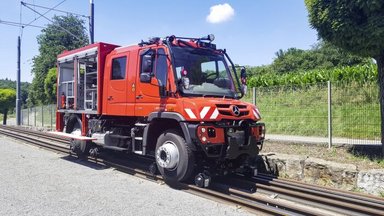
(174, 158)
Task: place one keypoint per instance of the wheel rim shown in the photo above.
(167, 155)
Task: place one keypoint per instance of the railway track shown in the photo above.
(262, 194)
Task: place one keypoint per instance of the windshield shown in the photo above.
(202, 72)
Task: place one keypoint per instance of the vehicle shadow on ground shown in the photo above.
(84, 162)
(372, 152)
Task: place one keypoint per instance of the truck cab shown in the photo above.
(175, 99)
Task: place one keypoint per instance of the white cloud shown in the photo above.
(220, 13)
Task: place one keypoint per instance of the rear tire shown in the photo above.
(174, 158)
(80, 148)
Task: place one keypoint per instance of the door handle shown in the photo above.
(139, 96)
(110, 98)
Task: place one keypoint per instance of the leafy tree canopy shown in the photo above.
(52, 41)
(7, 99)
(50, 85)
(9, 84)
(357, 26)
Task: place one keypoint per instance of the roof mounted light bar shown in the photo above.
(209, 38)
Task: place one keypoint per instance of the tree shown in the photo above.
(52, 41)
(323, 55)
(9, 84)
(7, 102)
(50, 85)
(356, 26)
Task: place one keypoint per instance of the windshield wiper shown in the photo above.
(214, 95)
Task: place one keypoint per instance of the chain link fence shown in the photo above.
(39, 116)
(342, 113)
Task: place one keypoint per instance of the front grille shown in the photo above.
(225, 109)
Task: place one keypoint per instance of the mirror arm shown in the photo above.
(234, 71)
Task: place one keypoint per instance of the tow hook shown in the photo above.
(203, 180)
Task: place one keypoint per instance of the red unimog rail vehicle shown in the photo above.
(174, 99)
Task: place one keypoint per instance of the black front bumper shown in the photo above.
(237, 141)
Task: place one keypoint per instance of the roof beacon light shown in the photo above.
(209, 37)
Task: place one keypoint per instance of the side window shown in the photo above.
(147, 62)
(118, 68)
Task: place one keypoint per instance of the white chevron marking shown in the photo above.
(215, 114)
(204, 111)
(190, 113)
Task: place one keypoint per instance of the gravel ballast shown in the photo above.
(39, 182)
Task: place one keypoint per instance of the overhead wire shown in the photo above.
(18, 24)
(42, 15)
(49, 9)
(53, 9)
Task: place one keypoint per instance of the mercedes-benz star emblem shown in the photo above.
(235, 110)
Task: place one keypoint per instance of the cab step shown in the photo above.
(115, 148)
(140, 124)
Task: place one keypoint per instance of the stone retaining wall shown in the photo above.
(327, 173)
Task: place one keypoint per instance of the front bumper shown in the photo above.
(229, 141)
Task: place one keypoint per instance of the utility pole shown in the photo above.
(92, 21)
(18, 105)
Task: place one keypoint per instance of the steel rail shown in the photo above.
(349, 194)
(309, 194)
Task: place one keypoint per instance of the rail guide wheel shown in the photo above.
(80, 147)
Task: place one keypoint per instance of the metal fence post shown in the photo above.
(27, 116)
(50, 109)
(329, 115)
(42, 115)
(254, 95)
(35, 115)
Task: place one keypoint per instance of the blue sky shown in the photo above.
(251, 31)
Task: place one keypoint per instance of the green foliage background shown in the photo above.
(7, 99)
(50, 85)
(366, 73)
(9, 84)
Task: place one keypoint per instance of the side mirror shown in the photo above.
(146, 77)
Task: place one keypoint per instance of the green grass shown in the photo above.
(303, 110)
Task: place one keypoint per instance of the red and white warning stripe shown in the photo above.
(190, 113)
(206, 112)
(256, 112)
(209, 112)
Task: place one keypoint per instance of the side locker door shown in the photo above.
(117, 85)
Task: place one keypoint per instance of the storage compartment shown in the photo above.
(80, 74)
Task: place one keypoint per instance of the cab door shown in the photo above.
(118, 85)
(151, 81)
